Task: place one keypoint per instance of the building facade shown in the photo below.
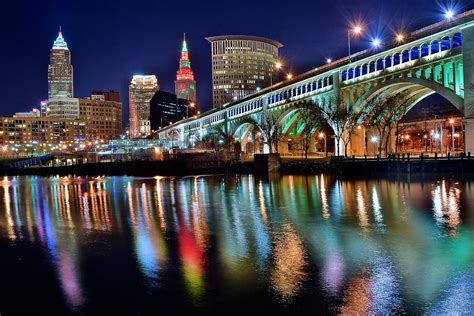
(166, 108)
(102, 112)
(241, 65)
(60, 72)
(141, 90)
(185, 85)
(30, 134)
(66, 108)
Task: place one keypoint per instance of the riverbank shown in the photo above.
(350, 168)
(138, 168)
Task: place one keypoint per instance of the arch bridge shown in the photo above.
(353, 92)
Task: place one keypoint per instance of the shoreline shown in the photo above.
(340, 168)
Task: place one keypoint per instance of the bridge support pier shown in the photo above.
(468, 64)
(468, 135)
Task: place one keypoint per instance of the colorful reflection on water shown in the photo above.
(296, 243)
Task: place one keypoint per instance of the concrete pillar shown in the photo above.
(357, 144)
(468, 64)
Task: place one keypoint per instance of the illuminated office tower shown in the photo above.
(140, 91)
(60, 76)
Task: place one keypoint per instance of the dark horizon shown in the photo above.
(112, 41)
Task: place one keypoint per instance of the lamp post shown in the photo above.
(356, 30)
(323, 136)
(278, 66)
(374, 140)
(451, 121)
(187, 108)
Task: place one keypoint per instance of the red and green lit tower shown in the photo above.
(185, 85)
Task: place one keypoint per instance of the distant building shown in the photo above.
(185, 85)
(103, 115)
(241, 65)
(32, 113)
(60, 73)
(141, 90)
(106, 95)
(66, 108)
(47, 133)
(166, 108)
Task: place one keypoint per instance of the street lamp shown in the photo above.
(376, 43)
(449, 14)
(323, 136)
(289, 76)
(451, 121)
(187, 108)
(328, 60)
(356, 30)
(400, 38)
(374, 140)
(278, 66)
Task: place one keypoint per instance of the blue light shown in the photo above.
(376, 42)
(449, 14)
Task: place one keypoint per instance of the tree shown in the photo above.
(342, 119)
(311, 116)
(220, 141)
(268, 125)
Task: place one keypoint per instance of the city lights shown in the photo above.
(449, 14)
(376, 42)
(400, 38)
(328, 60)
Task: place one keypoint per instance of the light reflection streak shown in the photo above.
(8, 211)
(289, 264)
(324, 198)
(362, 211)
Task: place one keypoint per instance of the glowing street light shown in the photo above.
(192, 105)
(400, 38)
(328, 60)
(323, 136)
(356, 30)
(376, 43)
(451, 121)
(449, 14)
(289, 76)
(278, 66)
(374, 140)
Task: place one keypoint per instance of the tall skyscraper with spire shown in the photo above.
(60, 80)
(185, 85)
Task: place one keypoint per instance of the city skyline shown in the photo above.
(99, 56)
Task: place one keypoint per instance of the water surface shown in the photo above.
(235, 243)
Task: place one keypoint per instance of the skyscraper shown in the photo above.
(185, 85)
(60, 76)
(240, 65)
(140, 91)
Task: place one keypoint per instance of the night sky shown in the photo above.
(110, 41)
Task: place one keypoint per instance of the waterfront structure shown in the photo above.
(166, 108)
(60, 72)
(185, 85)
(67, 108)
(241, 65)
(141, 90)
(103, 113)
(28, 134)
(351, 93)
